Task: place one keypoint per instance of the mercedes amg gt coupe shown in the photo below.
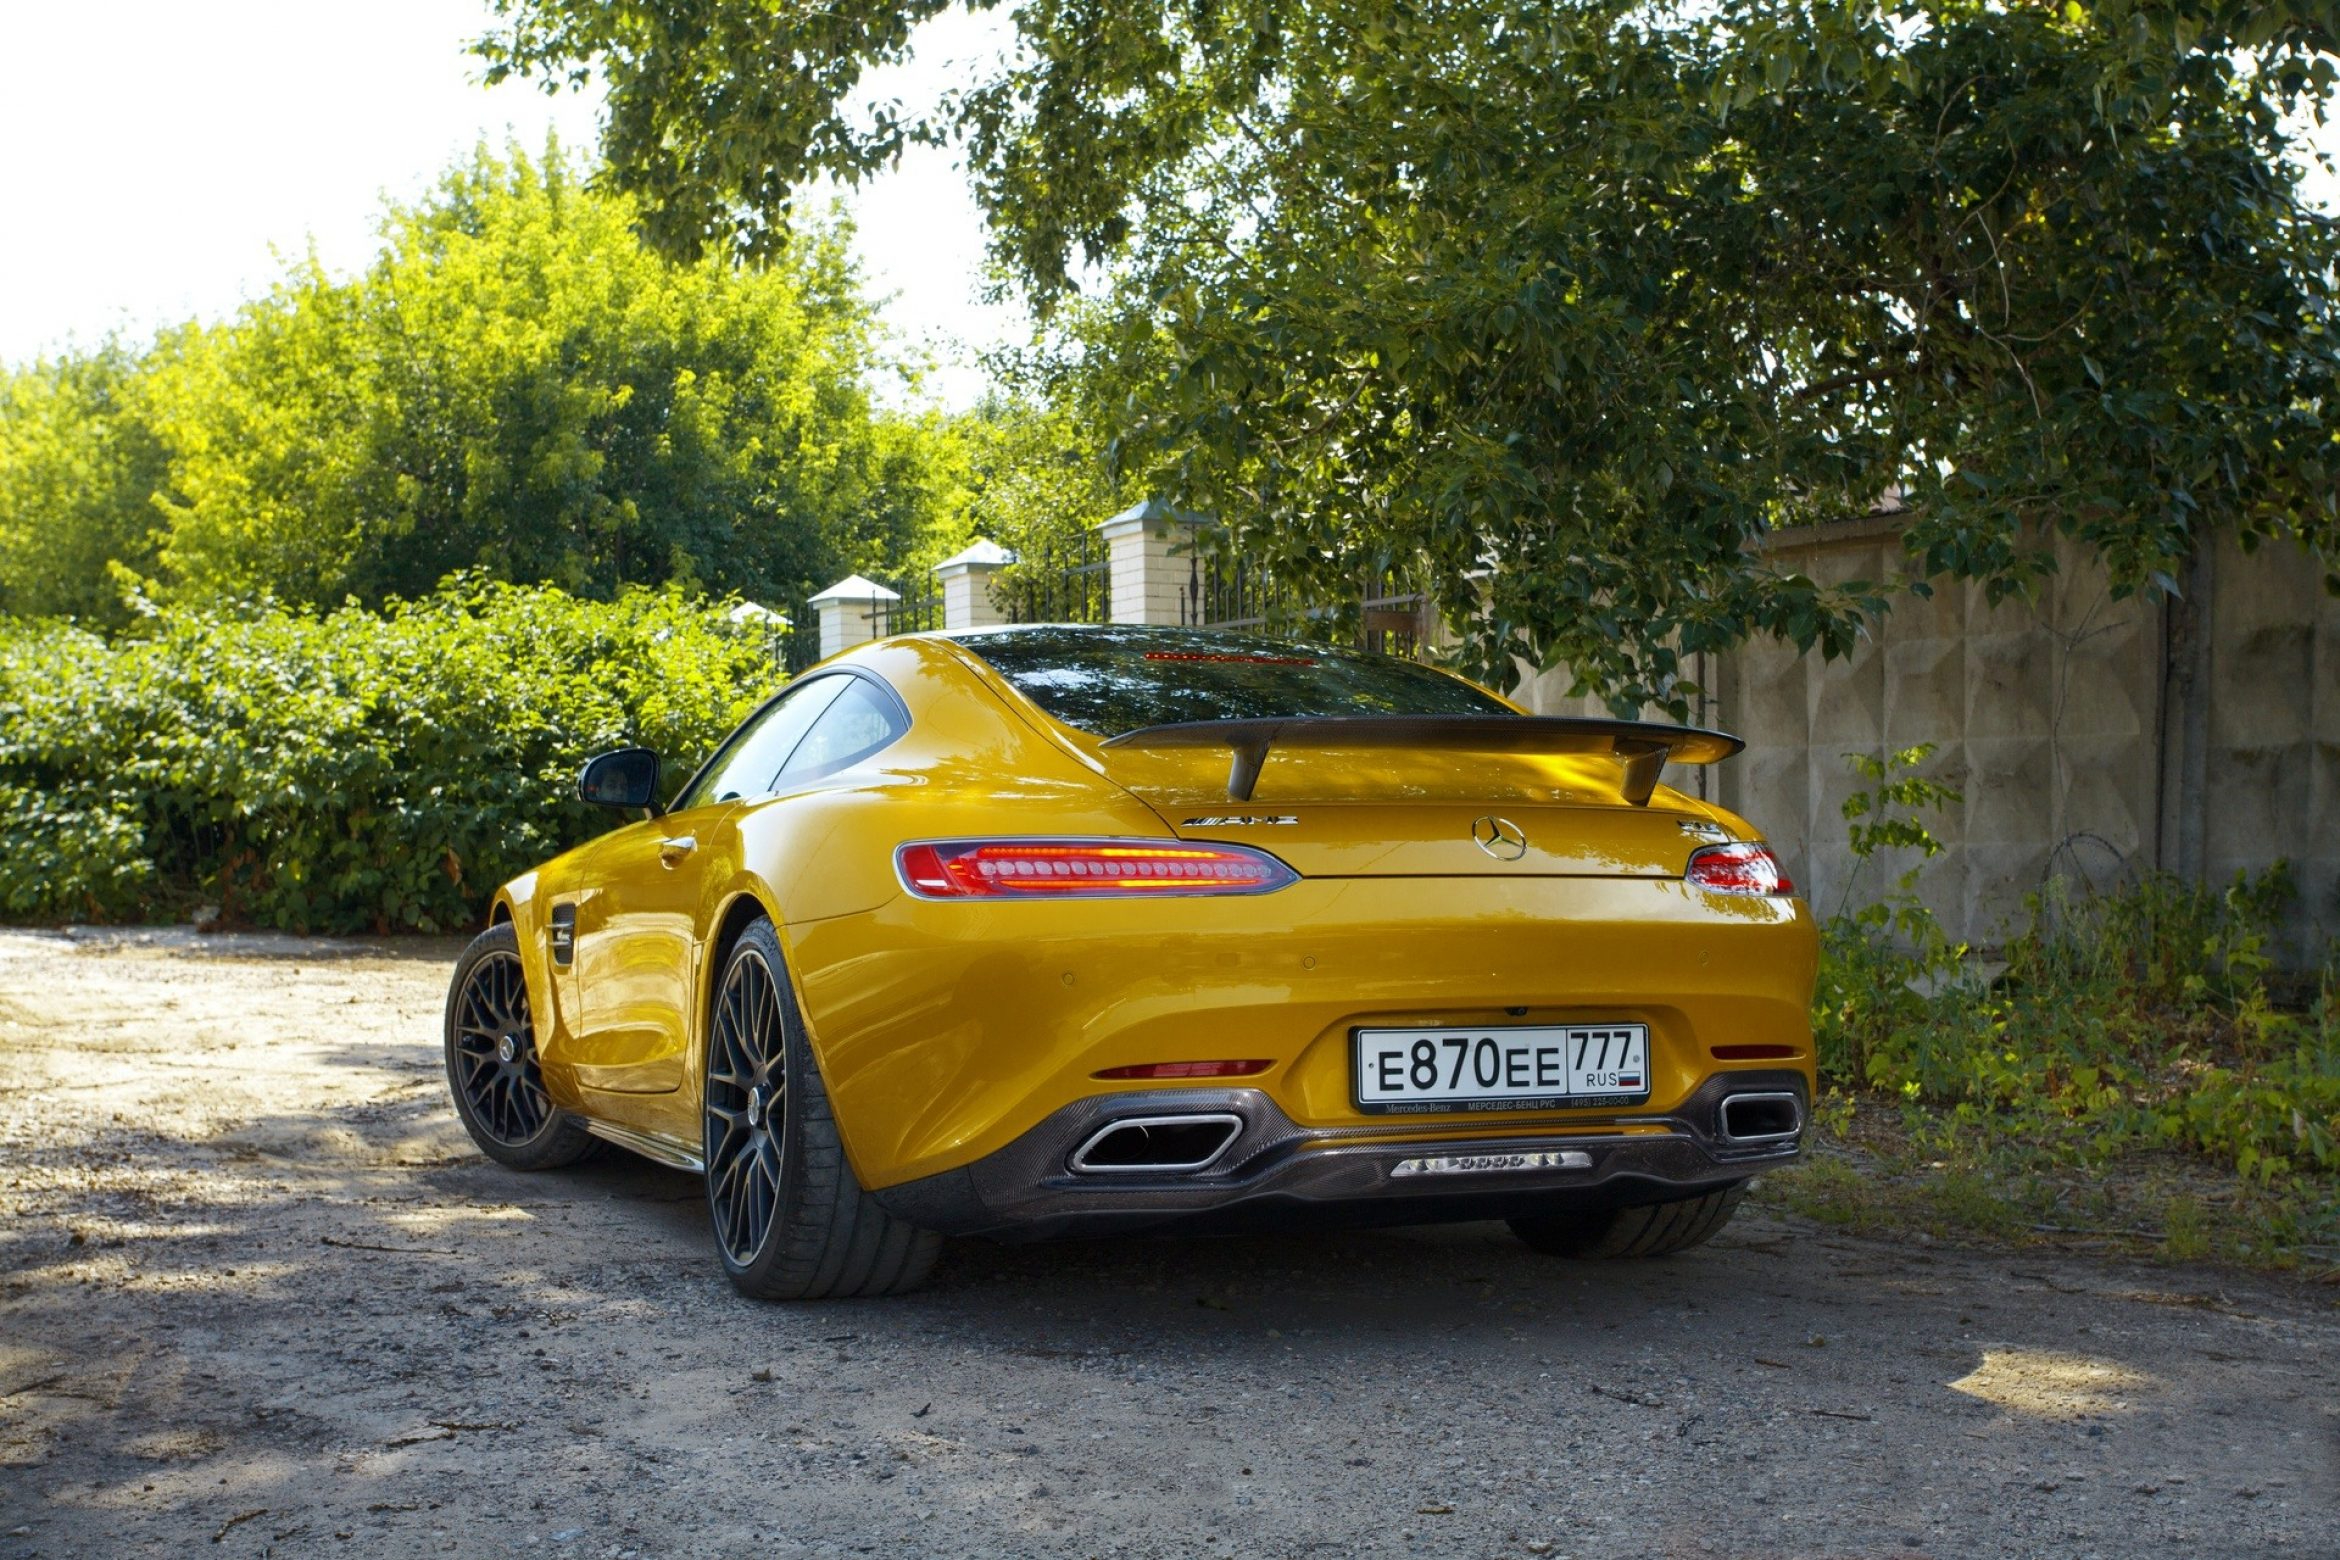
(1054, 930)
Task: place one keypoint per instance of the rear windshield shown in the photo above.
(1112, 680)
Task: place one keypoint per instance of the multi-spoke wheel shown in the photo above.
(491, 1061)
(747, 1097)
(790, 1220)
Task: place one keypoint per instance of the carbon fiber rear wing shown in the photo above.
(1641, 748)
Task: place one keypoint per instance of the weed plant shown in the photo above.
(2132, 1068)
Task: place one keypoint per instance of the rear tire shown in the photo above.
(791, 1221)
(491, 1062)
(1652, 1230)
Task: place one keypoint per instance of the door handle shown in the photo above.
(671, 851)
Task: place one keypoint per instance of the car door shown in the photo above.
(645, 904)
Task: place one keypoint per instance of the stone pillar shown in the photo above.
(966, 585)
(1150, 561)
(848, 611)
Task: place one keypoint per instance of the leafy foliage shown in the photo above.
(1566, 305)
(359, 770)
(517, 385)
(2123, 1025)
(79, 465)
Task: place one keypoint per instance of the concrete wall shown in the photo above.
(2092, 738)
(2271, 738)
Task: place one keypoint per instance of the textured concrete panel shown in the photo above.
(2052, 716)
(1925, 688)
(2010, 683)
(1844, 700)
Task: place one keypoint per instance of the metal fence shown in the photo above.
(792, 633)
(911, 613)
(798, 645)
(1392, 621)
(1068, 581)
(1238, 595)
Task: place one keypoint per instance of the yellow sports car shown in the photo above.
(1059, 930)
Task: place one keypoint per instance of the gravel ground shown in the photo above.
(258, 1292)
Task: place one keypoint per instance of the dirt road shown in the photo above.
(257, 1290)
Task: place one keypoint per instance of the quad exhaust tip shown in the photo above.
(1760, 1118)
(1157, 1145)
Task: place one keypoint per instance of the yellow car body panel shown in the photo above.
(947, 1031)
(945, 1038)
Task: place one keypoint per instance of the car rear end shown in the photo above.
(1374, 980)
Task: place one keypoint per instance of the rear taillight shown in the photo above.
(1073, 869)
(1738, 869)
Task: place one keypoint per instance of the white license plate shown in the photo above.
(1554, 1067)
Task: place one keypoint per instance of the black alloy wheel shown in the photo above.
(746, 1108)
(791, 1220)
(495, 1045)
(491, 1061)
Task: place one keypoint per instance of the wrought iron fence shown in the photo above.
(792, 633)
(1066, 581)
(1235, 594)
(908, 613)
(1390, 620)
(796, 645)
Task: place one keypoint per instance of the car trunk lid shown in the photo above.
(1378, 811)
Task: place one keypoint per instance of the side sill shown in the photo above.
(650, 1145)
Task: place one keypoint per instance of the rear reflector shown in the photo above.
(1073, 869)
(1187, 1070)
(1738, 869)
(1752, 1053)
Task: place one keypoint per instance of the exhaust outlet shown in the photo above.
(1157, 1145)
(1760, 1118)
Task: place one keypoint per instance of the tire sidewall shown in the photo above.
(762, 942)
(549, 1144)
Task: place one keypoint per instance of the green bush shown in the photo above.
(2134, 1021)
(354, 771)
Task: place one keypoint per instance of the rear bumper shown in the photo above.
(947, 1033)
(1278, 1174)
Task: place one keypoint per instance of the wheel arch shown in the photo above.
(737, 915)
(515, 905)
(750, 900)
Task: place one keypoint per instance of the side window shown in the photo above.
(750, 761)
(856, 724)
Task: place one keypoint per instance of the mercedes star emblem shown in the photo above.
(1500, 838)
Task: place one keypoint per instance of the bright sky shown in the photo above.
(161, 152)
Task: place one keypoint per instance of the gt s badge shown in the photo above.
(1234, 821)
(1705, 832)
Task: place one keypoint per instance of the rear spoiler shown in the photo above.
(1641, 748)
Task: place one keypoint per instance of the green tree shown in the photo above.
(79, 466)
(1565, 304)
(1038, 471)
(517, 383)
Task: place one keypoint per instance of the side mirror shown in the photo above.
(625, 778)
